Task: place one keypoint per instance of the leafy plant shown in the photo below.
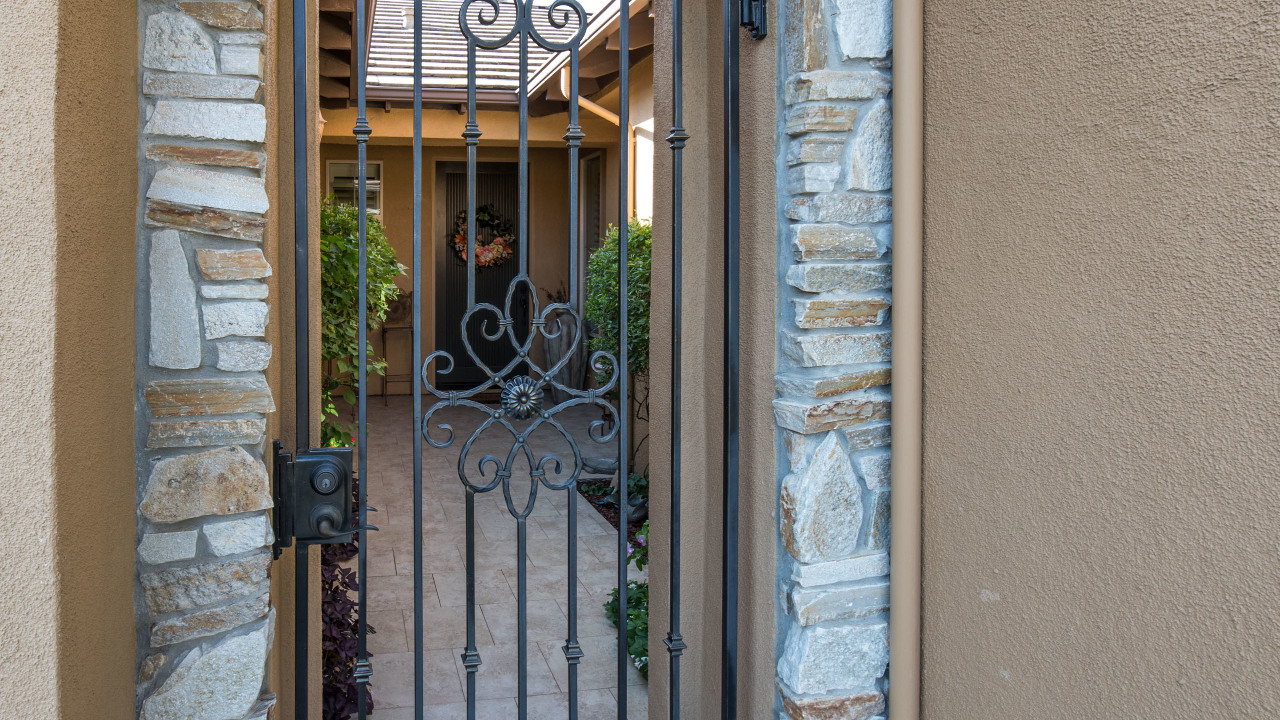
(339, 632)
(601, 301)
(340, 307)
(601, 308)
(637, 622)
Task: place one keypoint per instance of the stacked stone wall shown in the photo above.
(832, 403)
(204, 497)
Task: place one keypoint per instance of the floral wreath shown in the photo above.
(488, 254)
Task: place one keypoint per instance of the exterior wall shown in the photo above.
(66, 343)
(1100, 350)
(701, 368)
(833, 339)
(204, 354)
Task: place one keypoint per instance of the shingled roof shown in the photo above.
(444, 62)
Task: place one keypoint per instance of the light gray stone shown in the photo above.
(209, 188)
(845, 601)
(837, 85)
(826, 349)
(812, 178)
(874, 469)
(209, 120)
(242, 38)
(238, 291)
(245, 319)
(871, 161)
(204, 433)
(866, 436)
(229, 537)
(175, 325)
(175, 42)
(879, 521)
(237, 356)
(222, 683)
(858, 567)
(822, 658)
(186, 588)
(864, 28)
(821, 506)
(147, 671)
(851, 208)
(820, 118)
(837, 277)
(225, 14)
(241, 60)
(204, 623)
(225, 481)
(164, 547)
(212, 87)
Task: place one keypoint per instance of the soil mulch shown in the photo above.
(596, 493)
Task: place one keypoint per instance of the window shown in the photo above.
(342, 183)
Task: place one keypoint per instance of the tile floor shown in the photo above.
(391, 587)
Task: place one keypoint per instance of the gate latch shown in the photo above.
(313, 496)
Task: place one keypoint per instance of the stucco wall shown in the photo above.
(1101, 291)
(66, 347)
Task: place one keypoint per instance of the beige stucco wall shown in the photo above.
(702, 362)
(66, 357)
(1101, 294)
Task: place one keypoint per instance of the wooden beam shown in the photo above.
(346, 6)
(330, 88)
(334, 33)
(333, 64)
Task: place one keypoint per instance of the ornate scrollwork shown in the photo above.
(560, 14)
(521, 397)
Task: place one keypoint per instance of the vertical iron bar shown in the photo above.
(524, 13)
(302, 338)
(472, 135)
(624, 398)
(572, 650)
(363, 671)
(470, 656)
(418, 680)
(677, 138)
(729, 581)
(522, 617)
(573, 137)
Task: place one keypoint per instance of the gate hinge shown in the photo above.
(755, 18)
(313, 496)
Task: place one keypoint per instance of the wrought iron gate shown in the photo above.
(521, 385)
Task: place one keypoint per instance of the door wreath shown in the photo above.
(497, 249)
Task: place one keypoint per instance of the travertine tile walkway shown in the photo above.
(390, 581)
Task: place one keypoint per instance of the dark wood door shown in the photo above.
(497, 186)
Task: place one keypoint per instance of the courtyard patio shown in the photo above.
(391, 578)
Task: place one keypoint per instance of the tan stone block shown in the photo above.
(226, 481)
(814, 149)
(840, 312)
(219, 157)
(203, 433)
(209, 622)
(843, 601)
(833, 242)
(820, 507)
(839, 277)
(225, 15)
(218, 396)
(807, 35)
(819, 416)
(178, 589)
(233, 264)
(827, 385)
(837, 85)
(862, 705)
(820, 118)
(210, 221)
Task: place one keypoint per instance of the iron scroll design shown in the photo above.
(521, 397)
(560, 13)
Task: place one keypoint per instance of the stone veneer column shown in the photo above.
(204, 532)
(832, 404)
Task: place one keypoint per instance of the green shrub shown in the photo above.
(601, 298)
(339, 306)
(637, 622)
